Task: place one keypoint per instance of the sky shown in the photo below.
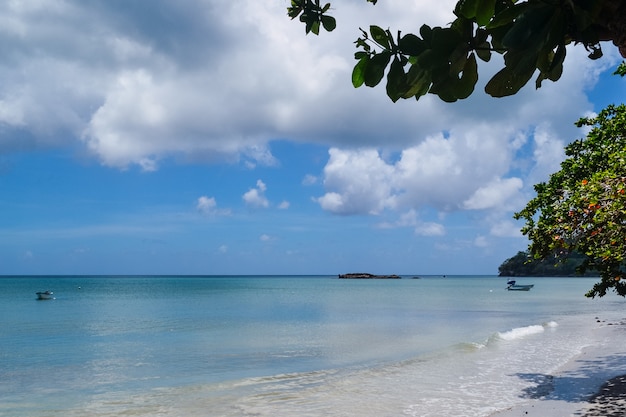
(214, 137)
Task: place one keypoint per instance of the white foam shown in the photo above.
(520, 332)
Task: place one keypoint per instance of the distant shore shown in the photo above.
(365, 275)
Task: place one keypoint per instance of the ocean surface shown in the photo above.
(286, 345)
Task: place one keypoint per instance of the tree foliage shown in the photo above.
(523, 264)
(531, 35)
(582, 207)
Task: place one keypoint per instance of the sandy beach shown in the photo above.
(592, 385)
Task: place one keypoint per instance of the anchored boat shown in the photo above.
(512, 286)
(45, 295)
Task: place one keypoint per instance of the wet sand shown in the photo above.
(592, 385)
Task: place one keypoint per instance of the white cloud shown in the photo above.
(309, 180)
(495, 194)
(506, 228)
(363, 179)
(255, 197)
(135, 86)
(265, 238)
(481, 242)
(284, 205)
(430, 229)
(208, 206)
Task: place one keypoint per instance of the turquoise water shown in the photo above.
(284, 346)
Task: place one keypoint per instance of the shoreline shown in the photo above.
(593, 384)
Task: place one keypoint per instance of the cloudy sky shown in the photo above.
(214, 137)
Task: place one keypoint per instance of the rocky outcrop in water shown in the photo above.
(364, 275)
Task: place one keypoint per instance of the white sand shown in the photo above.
(567, 392)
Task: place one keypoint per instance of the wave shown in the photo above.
(522, 332)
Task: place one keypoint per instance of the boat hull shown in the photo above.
(519, 287)
(45, 295)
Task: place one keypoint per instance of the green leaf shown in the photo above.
(379, 36)
(484, 11)
(465, 87)
(418, 81)
(530, 29)
(467, 8)
(329, 23)
(509, 15)
(411, 44)
(396, 85)
(358, 73)
(315, 27)
(445, 40)
(506, 82)
(426, 32)
(484, 51)
(375, 69)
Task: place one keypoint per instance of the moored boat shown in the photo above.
(45, 295)
(512, 286)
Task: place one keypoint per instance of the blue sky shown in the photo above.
(158, 137)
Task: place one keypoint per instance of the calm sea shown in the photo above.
(286, 346)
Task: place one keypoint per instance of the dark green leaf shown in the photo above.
(467, 8)
(375, 69)
(411, 45)
(396, 80)
(466, 84)
(484, 11)
(509, 15)
(426, 33)
(329, 23)
(445, 40)
(379, 36)
(418, 81)
(484, 51)
(506, 82)
(530, 29)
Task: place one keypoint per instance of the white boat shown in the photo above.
(512, 286)
(45, 295)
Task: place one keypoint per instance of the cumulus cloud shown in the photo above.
(363, 179)
(495, 194)
(309, 180)
(139, 84)
(208, 206)
(458, 171)
(284, 205)
(430, 229)
(136, 85)
(255, 197)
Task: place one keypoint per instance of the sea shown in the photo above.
(287, 345)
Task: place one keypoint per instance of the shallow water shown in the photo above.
(285, 346)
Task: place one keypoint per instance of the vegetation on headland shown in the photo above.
(525, 265)
(582, 207)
